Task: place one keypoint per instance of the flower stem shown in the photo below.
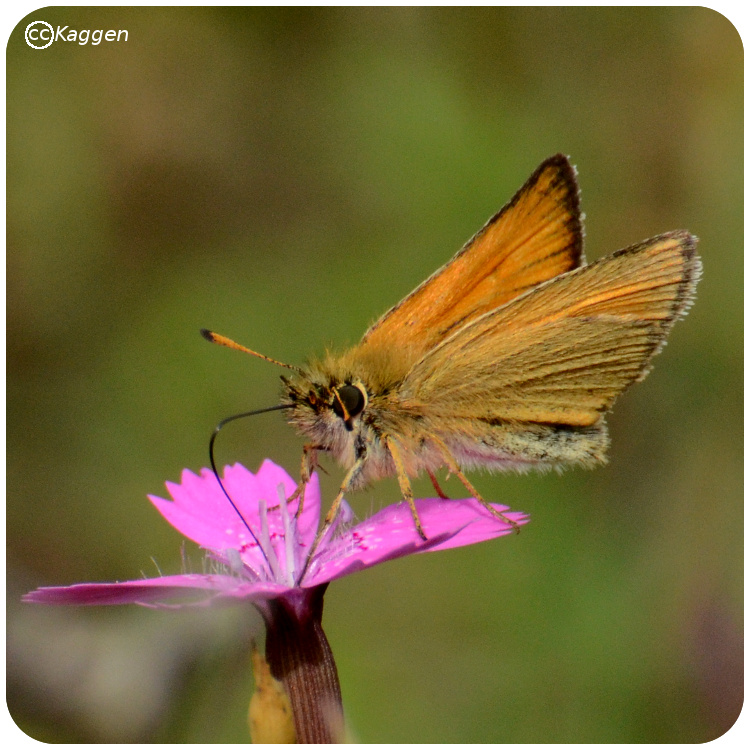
(300, 657)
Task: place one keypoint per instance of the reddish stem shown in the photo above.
(300, 657)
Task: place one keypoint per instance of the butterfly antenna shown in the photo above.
(212, 458)
(217, 338)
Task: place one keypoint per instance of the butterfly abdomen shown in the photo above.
(502, 445)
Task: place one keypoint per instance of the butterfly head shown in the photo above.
(325, 409)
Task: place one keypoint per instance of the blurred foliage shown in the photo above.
(283, 176)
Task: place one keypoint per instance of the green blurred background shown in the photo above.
(283, 176)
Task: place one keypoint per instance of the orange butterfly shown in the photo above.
(507, 357)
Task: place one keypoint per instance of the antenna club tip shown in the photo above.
(217, 338)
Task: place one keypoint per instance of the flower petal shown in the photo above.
(178, 590)
(391, 533)
(269, 477)
(201, 511)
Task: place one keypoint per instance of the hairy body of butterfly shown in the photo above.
(507, 357)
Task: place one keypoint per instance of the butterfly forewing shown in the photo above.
(535, 237)
(562, 353)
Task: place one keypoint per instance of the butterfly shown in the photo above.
(507, 357)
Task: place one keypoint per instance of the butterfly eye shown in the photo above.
(349, 401)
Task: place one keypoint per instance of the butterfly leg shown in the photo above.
(454, 469)
(437, 487)
(309, 463)
(404, 483)
(335, 505)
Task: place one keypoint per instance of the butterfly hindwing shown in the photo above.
(562, 353)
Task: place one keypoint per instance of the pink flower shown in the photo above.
(261, 551)
(263, 555)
